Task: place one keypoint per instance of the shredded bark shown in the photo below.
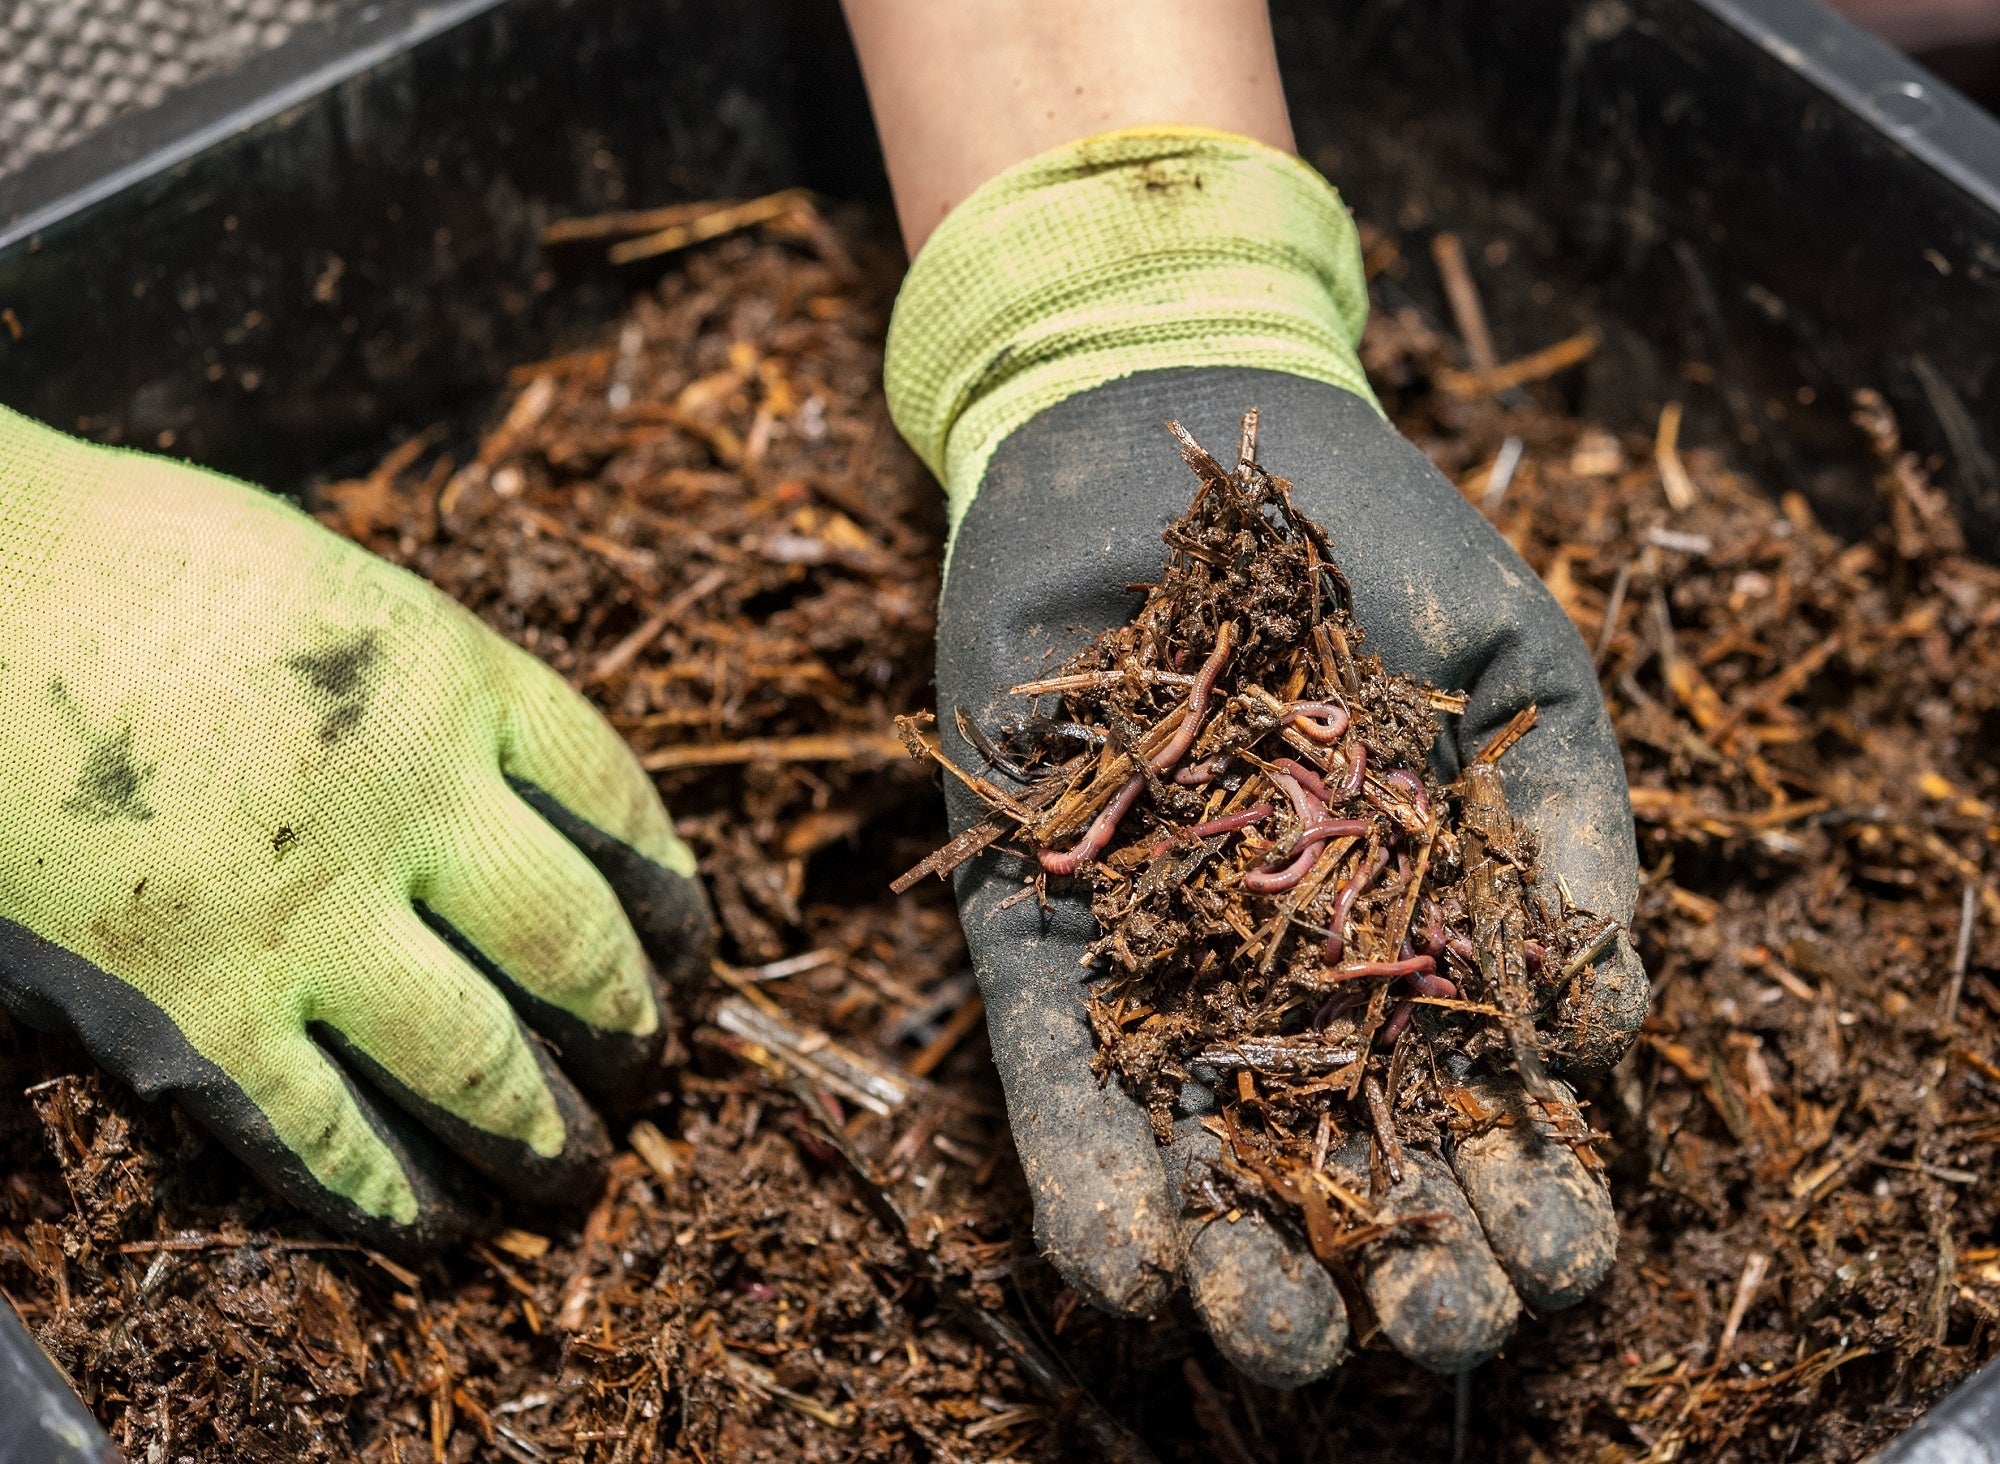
(1802, 1149)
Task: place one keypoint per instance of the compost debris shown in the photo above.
(703, 517)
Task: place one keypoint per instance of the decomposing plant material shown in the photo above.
(1280, 884)
(1807, 721)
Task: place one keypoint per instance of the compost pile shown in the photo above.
(817, 1246)
(1246, 778)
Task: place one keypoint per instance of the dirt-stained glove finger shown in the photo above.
(1548, 1219)
(1271, 1307)
(1574, 799)
(1441, 1297)
(1104, 1212)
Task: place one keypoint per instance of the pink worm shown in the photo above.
(1336, 828)
(1277, 881)
(1341, 1004)
(1305, 777)
(1357, 765)
(1400, 1018)
(1343, 906)
(1197, 703)
(1426, 984)
(1197, 775)
(1311, 813)
(1228, 823)
(1413, 785)
(1414, 965)
(1321, 721)
(1433, 928)
(1068, 861)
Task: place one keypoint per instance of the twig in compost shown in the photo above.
(1961, 960)
(1511, 375)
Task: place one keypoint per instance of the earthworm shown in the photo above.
(1461, 946)
(1534, 953)
(1277, 881)
(1198, 775)
(1197, 702)
(1321, 721)
(1306, 777)
(1343, 906)
(1106, 823)
(1433, 928)
(1314, 831)
(1309, 806)
(1357, 765)
(1410, 967)
(1068, 861)
(1335, 828)
(1399, 1019)
(1413, 785)
(1424, 984)
(1227, 823)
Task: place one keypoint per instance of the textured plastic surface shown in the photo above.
(67, 67)
(41, 1422)
(1964, 1429)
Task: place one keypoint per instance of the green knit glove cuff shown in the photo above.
(1126, 252)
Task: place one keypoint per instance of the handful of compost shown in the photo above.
(1294, 912)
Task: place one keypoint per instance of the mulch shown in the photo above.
(815, 1243)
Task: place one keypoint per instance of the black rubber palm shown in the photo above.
(1069, 512)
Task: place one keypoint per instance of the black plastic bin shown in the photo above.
(281, 269)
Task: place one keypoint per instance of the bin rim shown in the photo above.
(129, 150)
(1902, 101)
(1912, 108)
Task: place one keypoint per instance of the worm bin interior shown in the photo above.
(1696, 311)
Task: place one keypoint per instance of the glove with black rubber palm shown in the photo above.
(1052, 325)
(289, 835)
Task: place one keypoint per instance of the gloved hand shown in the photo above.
(289, 835)
(1049, 329)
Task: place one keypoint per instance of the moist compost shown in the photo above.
(816, 1244)
(1232, 777)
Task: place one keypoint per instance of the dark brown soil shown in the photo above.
(1802, 1146)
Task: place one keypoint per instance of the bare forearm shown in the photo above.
(964, 89)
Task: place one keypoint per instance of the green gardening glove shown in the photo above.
(287, 834)
(1046, 333)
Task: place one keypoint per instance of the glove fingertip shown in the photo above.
(1548, 1219)
(556, 1179)
(1600, 1014)
(1272, 1310)
(1112, 1239)
(1441, 1297)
